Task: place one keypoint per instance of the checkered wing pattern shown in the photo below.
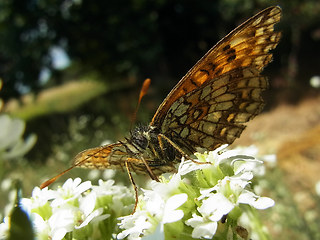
(211, 103)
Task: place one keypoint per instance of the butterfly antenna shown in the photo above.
(143, 92)
(52, 180)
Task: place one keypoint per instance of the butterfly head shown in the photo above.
(140, 137)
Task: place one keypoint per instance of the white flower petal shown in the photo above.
(170, 214)
(92, 216)
(188, 166)
(154, 202)
(255, 201)
(63, 218)
(216, 206)
(195, 220)
(88, 203)
(263, 203)
(134, 226)
(75, 187)
(206, 192)
(80, 188)
(205, 230)
(176, 201)
(237, 183)
(59, 234)
(245, 163)
(165, 189)
(38, 199)
(202, 228)
(41, 227)
(4, 228)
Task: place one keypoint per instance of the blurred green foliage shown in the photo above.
(125, 39)
(60, 99)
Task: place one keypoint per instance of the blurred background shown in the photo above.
(71, 73)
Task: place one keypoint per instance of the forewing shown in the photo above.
(215, 113)
(246, 46)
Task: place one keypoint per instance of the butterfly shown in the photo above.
(206, 109)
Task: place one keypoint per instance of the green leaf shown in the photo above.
(20, 224)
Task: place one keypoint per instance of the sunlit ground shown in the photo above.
(292, 132)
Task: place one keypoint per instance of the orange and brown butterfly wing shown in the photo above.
(110, 156)
(209, 105)
(215, 113)
(246, 46)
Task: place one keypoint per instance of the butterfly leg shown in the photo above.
(173, 145)
(134, 186)
(179, 149)
(150, 172)
(137, 157)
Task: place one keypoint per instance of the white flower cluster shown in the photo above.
(76, 208)
(197, 198)
(202, 200)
